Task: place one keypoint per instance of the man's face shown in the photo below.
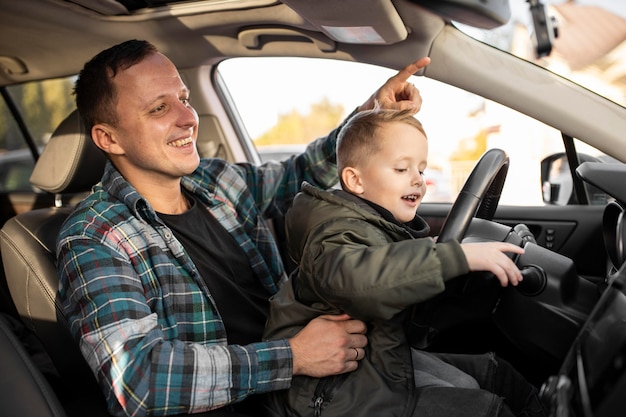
(157, 127)
(393, 176)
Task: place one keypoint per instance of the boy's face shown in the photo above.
(393, 176)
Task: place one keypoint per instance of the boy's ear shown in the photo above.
(352, 180)
(104, 136)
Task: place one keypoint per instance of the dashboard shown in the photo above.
(611, 179)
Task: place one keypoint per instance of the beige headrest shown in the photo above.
(70, 162)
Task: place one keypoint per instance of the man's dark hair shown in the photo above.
(94, 89)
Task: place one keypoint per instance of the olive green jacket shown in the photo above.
(350, 259)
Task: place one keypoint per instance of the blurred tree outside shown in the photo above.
(43, 106)
(295, 128)
(470, 149)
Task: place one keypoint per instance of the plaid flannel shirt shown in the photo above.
(144, 319)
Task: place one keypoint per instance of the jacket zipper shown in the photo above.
(325, 390)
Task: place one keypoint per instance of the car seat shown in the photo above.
(24, 391)
(69, 164)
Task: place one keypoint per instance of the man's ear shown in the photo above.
(105, 138)
(351, 179)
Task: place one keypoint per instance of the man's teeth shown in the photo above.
(180, 142)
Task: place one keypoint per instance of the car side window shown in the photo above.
(298, 99)
(41, 106)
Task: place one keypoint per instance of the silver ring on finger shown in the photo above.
(356, 351)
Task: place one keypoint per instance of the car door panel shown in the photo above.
(573, 231)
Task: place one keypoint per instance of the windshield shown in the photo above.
(589, 47)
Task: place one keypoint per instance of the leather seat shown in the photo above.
(69, 164)
(24, 391)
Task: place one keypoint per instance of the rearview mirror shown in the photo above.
(484, 14)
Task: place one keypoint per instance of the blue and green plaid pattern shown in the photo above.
(143, 316)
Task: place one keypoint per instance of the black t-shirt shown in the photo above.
(241, 300)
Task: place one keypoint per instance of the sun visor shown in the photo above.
(484, 14)
(348, 21)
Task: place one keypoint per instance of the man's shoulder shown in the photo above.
(212, 170)
(212, 167)
(93, 211)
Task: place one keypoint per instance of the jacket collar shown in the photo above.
(417, 227)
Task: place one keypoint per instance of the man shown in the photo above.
(167, 267)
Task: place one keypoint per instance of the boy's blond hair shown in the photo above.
(358, 140)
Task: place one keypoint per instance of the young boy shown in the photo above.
(364, 251)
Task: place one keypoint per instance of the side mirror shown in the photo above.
(556, 180)
(557, 184)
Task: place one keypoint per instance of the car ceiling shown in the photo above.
(43, 38)
(49, 38)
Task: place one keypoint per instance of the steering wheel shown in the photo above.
(465, 300)
(479, 196)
